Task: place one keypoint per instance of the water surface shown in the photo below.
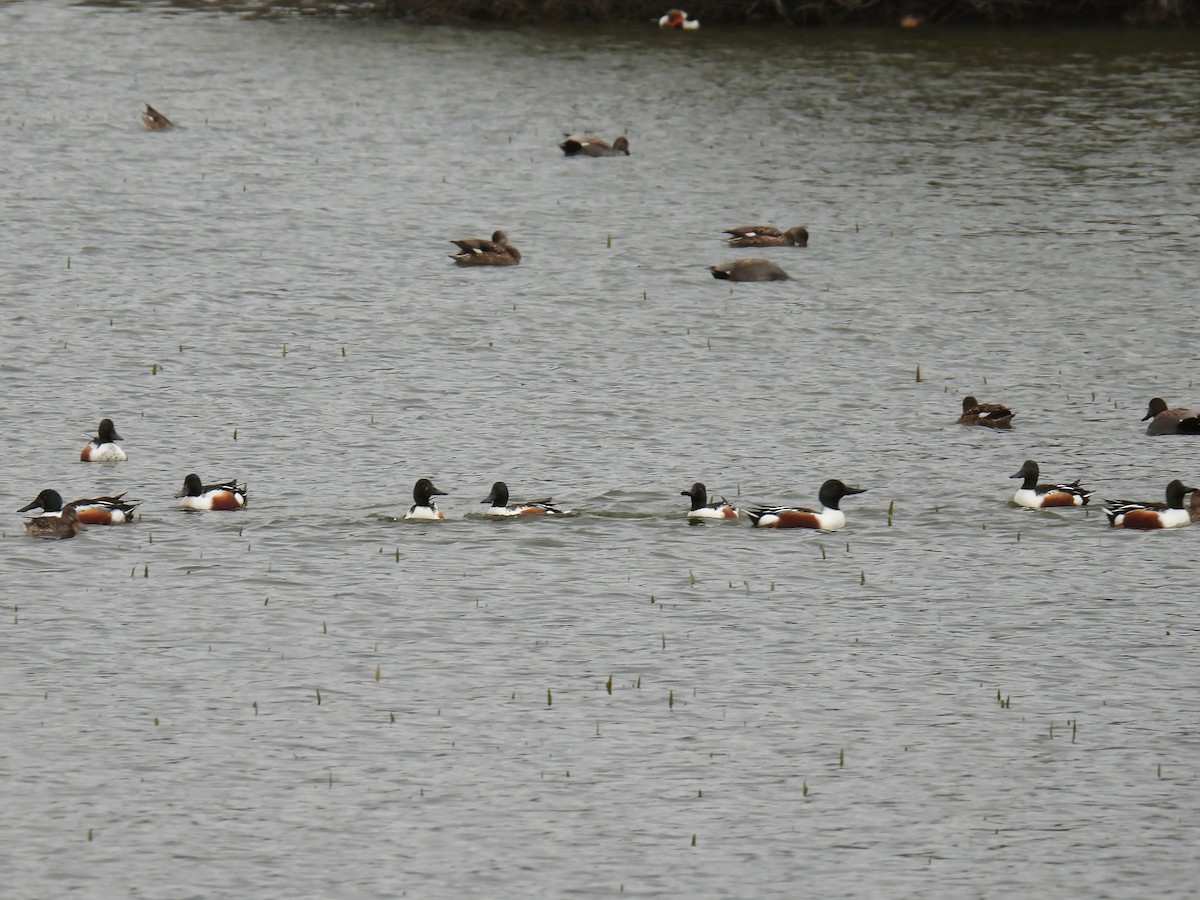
(949, 698)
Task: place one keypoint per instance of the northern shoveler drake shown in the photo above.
(677, 19)
(482, 252)
(749, 270)
(1152, 515)
(1170, 421)
(226, 495)
(989, 415)
(500, 506)
(1040, 496)
(424, 507)
(154, 120)
(64, 525)
(590, 145)
(703, 508)
(93, 511)
(830, 518)
(103, 447)
(767, 236)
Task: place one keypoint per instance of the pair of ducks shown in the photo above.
(1163, 419)
(65, 520)
(755, 269)
(59, 520)
(424, 507)
(499, 252)
(1140, 515)
(1134, 514)
(828, 518)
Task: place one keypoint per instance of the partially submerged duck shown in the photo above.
(103, 447)
(1151, 515)
(1170, 421)
(703, 508)
(482, 252)
(989, 415)
(767, 236)
(749, 270)
(1041, 496)
(500, 506)
(590, 145)
(154, 120)
(829, 518)
(92, 511)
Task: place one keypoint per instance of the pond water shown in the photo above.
(951, 697)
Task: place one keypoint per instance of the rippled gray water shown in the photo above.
(311, 698)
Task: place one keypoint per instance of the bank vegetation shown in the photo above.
(796, 13)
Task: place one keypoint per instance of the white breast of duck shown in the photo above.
(424, 508)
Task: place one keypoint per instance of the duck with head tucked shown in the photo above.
(590, 145)
(482, 252)
(103, 447)
(767, 236)
(92, 511)
(64, 525)
(989, 415)
(1164, 420)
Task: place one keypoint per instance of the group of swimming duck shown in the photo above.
(1140, 515)
(499, 252)
(64, 520)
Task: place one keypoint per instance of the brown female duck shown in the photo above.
(767, 236)
(64, 525)
(590, 145)
(989, 415)
(482, 252)
(1170, 421)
